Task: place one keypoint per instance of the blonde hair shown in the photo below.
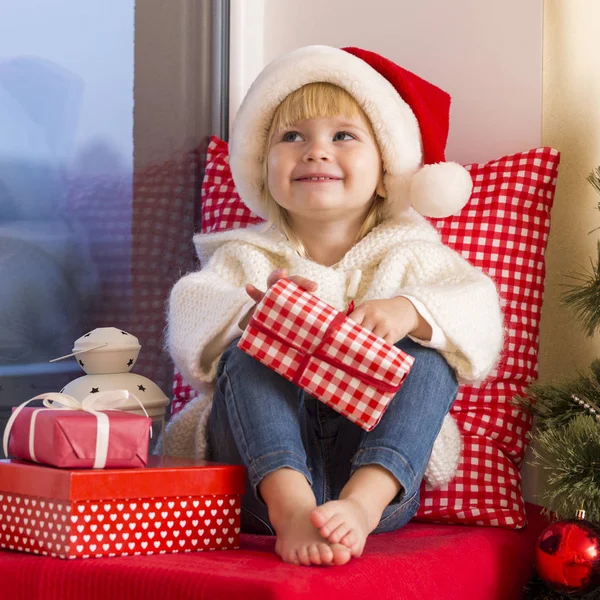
(314, 100)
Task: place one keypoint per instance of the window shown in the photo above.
(105, 109)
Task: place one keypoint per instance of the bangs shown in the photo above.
(312, 101)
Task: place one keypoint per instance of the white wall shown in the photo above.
(487, 55)
(571, 124)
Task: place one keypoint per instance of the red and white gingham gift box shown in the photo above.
(173, 505)
(325, 353)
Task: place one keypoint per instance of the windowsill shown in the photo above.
(20, 382)
(33, 369)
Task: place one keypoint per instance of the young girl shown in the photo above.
(328, 147)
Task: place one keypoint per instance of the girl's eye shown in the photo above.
(290, 136)
(342, 136)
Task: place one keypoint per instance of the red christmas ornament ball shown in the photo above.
(567, 557)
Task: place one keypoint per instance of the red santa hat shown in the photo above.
(409, 116)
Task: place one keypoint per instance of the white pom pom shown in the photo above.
(441, 189)
(445, 454)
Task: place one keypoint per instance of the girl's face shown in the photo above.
(325, 168)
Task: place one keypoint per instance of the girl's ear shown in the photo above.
(380, 189)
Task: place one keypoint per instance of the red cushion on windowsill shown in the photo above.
(420, 561)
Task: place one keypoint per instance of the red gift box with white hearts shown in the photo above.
(172, 505)
(325, 353)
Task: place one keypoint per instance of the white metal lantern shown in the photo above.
(107, 355)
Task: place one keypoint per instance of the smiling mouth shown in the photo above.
(317, 179)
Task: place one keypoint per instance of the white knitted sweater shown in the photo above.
(400, 257)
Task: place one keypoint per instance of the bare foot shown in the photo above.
(300, 543)
(346, 521)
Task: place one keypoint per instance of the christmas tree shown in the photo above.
(566, 440)
(584, 296)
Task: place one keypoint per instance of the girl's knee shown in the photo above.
(428, 363)
(422, 354)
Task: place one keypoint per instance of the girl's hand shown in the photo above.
(392, 319)
(257, 295)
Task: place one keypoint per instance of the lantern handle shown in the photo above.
(79, 352)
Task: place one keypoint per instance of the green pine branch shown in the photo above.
(594, 179)
(571, 456)
(583, 296)
(555, 406)
(537, 590)
(566, 441)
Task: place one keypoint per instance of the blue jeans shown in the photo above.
(263, 421)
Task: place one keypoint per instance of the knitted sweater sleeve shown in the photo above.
(203, 311)
(462, 300)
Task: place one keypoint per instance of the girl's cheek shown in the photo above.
(274, 161)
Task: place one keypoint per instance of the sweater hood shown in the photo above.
(409, 226)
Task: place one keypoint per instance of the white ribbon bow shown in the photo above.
(93, 403)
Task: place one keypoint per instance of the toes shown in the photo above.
(331, 525)
(341, 554)
(303, 556)
(287, 556)
(314, 554)
(357, 550)
(291, 557)
(320, 515)
(339, 533)
(326, 554)
(349, 539)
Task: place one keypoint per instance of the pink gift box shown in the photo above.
(321, 350)
(67, 438)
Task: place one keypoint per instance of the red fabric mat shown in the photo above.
(421, 561)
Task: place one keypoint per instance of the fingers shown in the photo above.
(367, 318)
(357, 316)
(380, 331)
(254, 293)
(364, 318)
(275, 276)
(257, 295)
(303, 282)
(307, 284)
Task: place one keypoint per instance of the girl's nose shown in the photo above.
(317, 150)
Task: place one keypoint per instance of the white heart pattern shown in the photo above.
(88, 534)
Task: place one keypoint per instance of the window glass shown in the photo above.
(66, 164)
(106, 109)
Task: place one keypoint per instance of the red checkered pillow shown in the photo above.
(222, 208)
(503, 230)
